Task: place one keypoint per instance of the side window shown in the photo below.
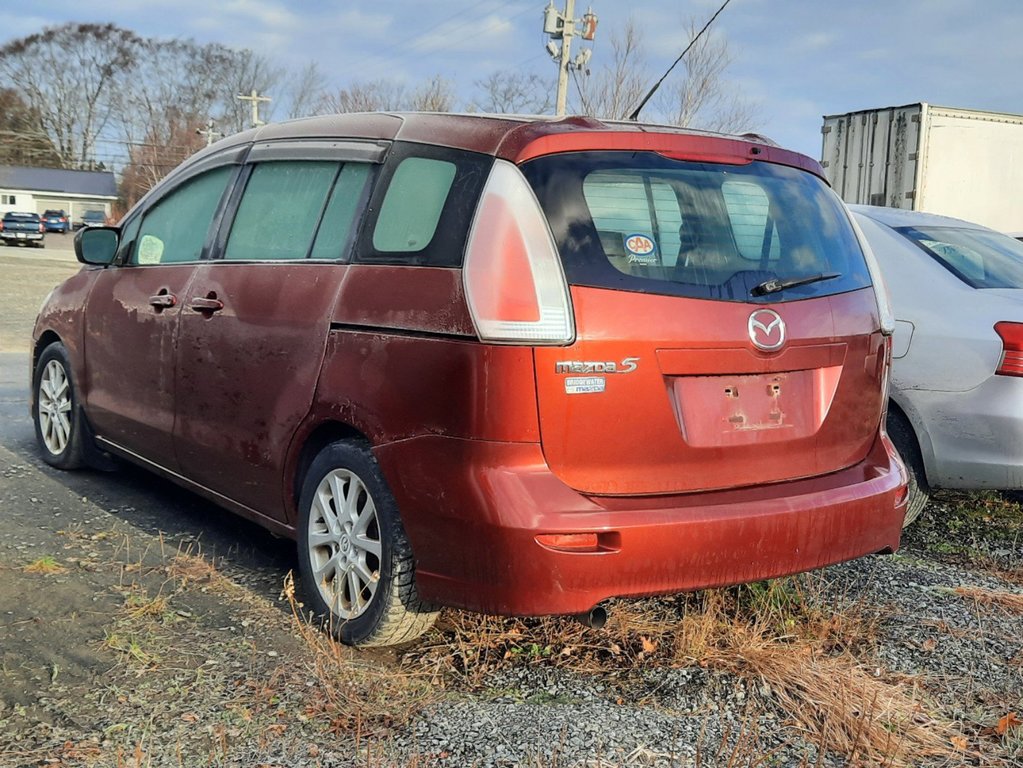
(279, 211)
(175, 229)
(335, 231)
(413, 205)
(755, 234)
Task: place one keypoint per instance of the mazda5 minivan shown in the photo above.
(517, 366)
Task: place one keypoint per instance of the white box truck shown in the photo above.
(957, 162)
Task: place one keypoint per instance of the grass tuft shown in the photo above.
(45, 565)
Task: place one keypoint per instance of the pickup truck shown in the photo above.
(22, 228)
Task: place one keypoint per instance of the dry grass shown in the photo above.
(353, 693)
(1010, 602)
(784, 633)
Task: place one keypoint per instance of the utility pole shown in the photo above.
(209, 132)
(254, 98)
(566, 54)
(562, 26)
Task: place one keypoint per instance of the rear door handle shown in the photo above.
(163, 300)
(206, 305)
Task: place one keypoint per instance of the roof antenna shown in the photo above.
(635, 113)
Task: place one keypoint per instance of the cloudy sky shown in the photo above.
(795, 59)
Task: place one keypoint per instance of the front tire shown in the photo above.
(56, 412)
(901, 433)
(356, 564)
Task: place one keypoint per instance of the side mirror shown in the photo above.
(96, 245)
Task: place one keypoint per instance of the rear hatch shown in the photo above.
(690, 370)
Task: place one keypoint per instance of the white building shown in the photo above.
(35, 190)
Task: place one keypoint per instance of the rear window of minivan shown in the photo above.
(640, 221)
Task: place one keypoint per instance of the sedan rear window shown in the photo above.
(640, 221)
(978, 257)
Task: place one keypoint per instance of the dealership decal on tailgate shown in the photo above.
(584, 385)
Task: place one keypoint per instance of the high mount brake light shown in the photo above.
(1012, 349)
(514, 284)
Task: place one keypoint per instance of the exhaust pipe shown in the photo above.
(595, 618)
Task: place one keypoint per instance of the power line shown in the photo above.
(635, 114)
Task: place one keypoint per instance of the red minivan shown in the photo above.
(517, 366)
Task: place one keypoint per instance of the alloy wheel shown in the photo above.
(55, 407)
(344, 543)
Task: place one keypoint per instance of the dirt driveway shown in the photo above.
(142, 626)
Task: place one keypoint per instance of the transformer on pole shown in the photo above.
(561, 26)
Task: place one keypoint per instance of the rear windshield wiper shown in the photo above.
(774, 284)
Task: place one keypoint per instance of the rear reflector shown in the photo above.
(605, 541)
(514, 283)
(1012, 348)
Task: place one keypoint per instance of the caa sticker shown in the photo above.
(641, 249)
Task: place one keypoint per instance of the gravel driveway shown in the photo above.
(141, 626)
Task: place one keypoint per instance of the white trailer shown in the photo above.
(956, 162)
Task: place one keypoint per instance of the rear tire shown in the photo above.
(56, 412)
(355, 561)
(904, 438)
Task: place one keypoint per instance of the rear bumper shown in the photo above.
(21, 237)
(473, 510)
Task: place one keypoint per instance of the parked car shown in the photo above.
(22, 229)
(956, 411)
(92, 219)
(56, 221)
(515, 366)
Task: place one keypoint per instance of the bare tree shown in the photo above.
(514, 93)
(67, 76)
(174, 81)
(702, 97)
(21, 140)
(168, 142)
(615, 89)
(698, 96)
(370, 96)
(303, 90)
(435, 95)
(243, 72)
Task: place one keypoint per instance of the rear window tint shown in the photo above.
(980, 258)
(642, 222)
(413, 204)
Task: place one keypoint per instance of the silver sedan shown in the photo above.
(956, 406)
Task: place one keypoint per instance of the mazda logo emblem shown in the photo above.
(766, 330)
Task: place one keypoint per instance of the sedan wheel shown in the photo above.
(356, 563)
(901, 433)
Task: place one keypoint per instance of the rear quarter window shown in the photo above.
(422, 205)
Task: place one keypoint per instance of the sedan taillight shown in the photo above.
(1012, 349)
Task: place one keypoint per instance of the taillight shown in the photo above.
(514, 284)
(42, 227)
(1012, 348)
